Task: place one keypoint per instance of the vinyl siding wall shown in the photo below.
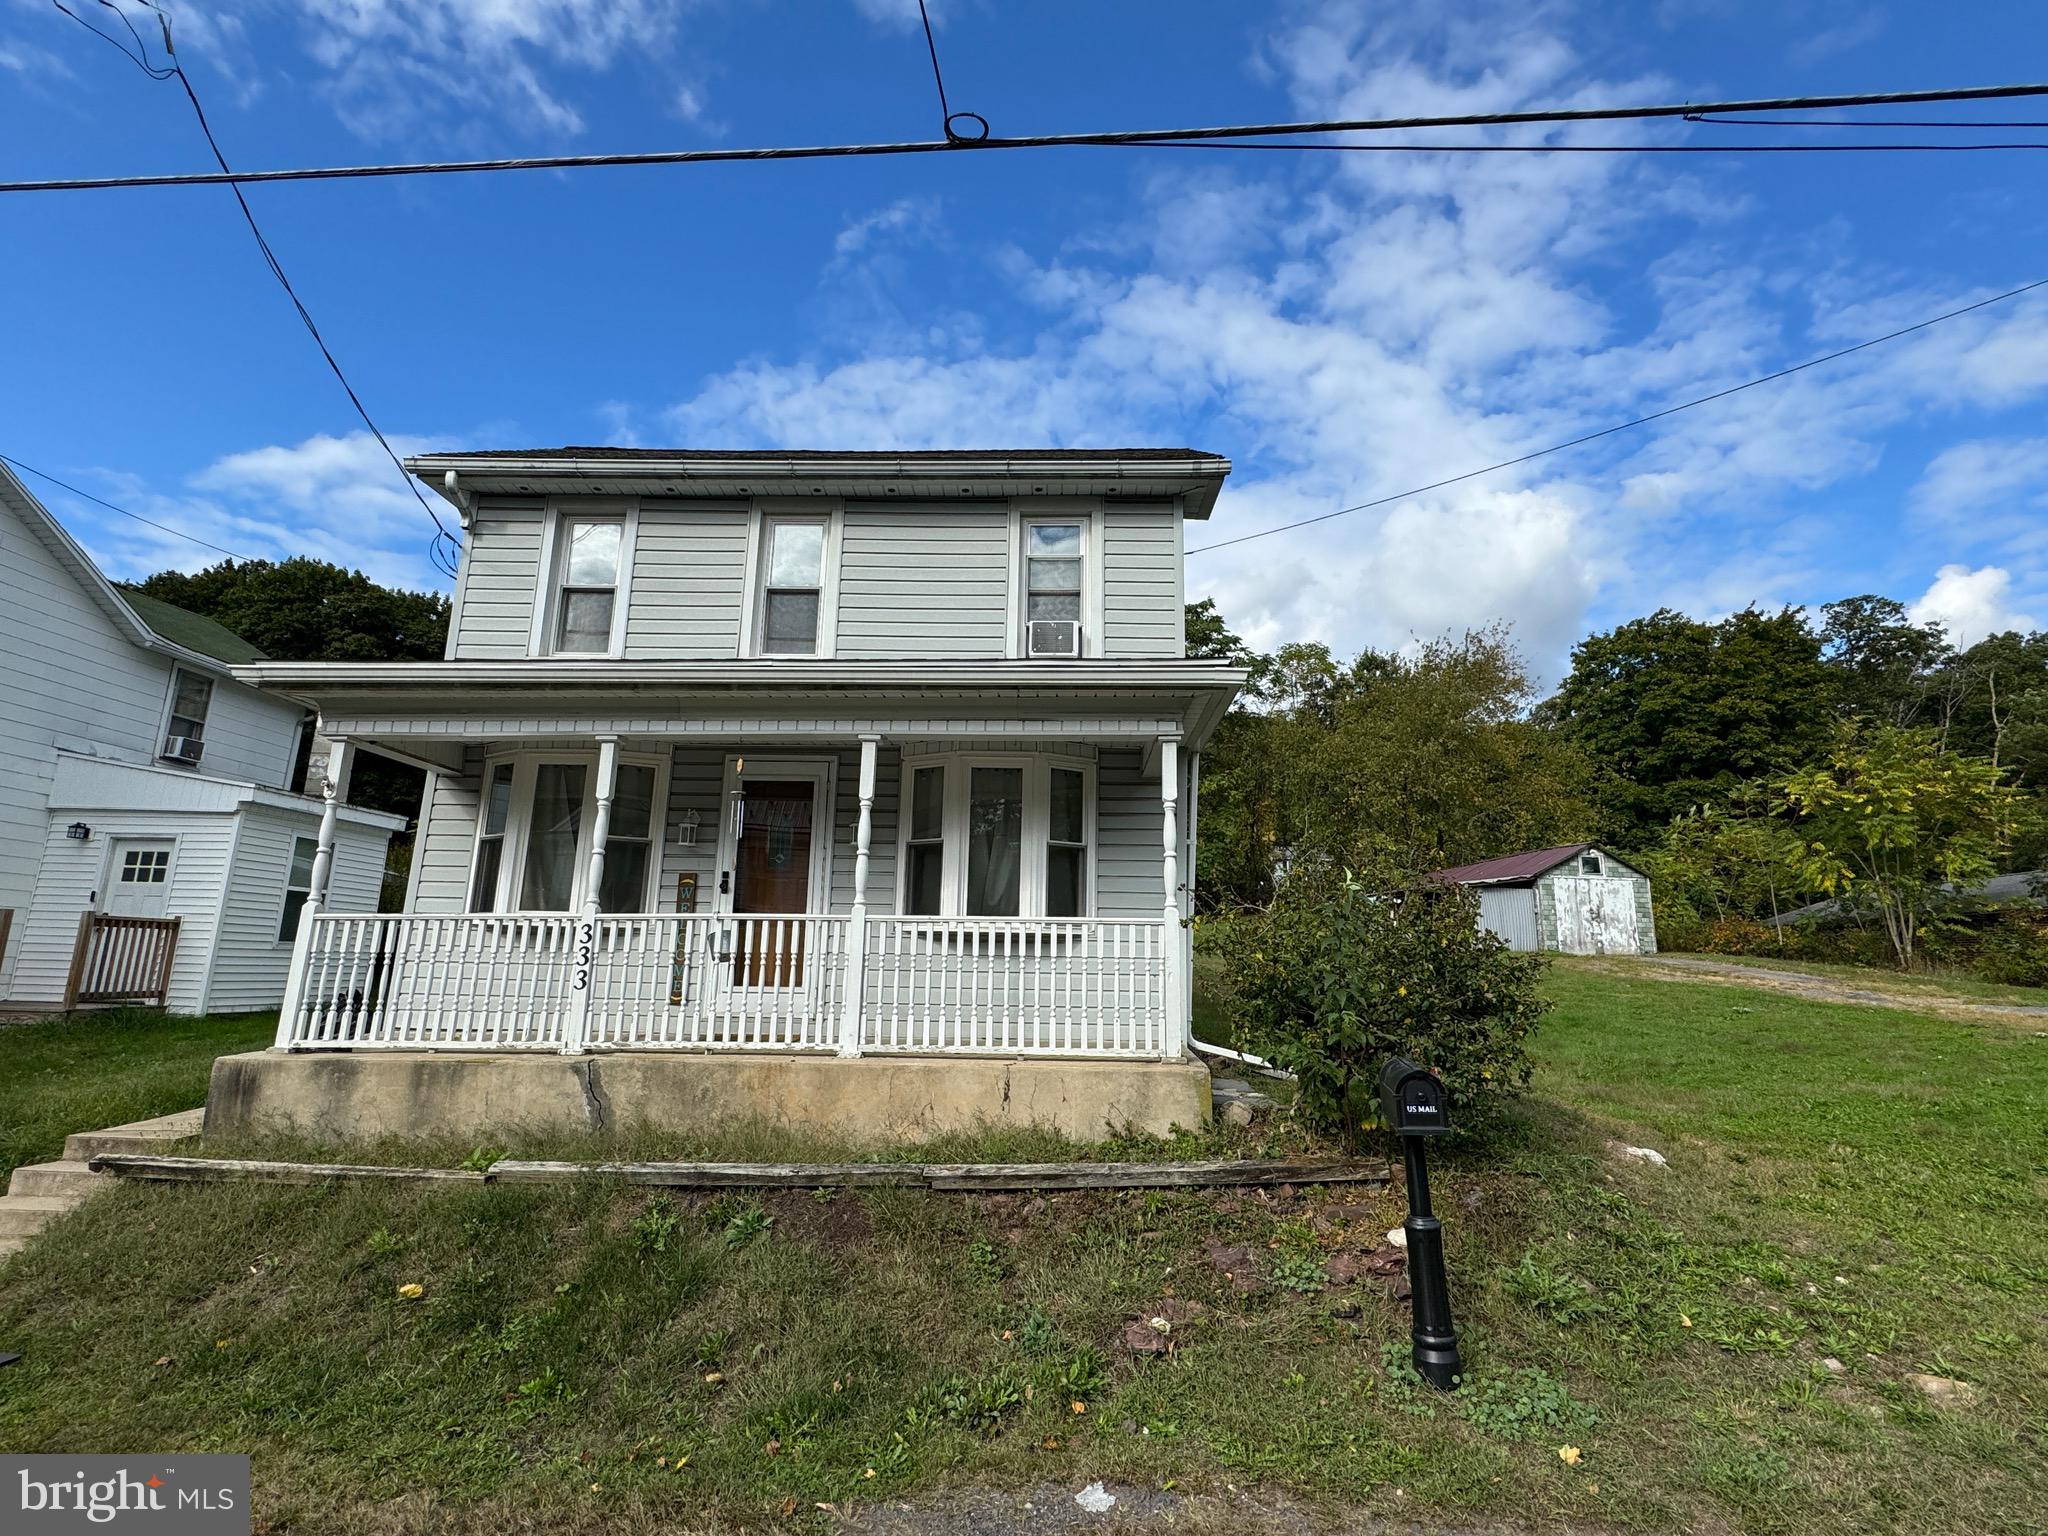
(249, 963)
(914, 580)
(73, 679)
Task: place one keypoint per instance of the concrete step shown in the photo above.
(10, 1246)
(136, 1136)
(68, 1180)
(26, 1215)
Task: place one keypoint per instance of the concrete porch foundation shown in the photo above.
(337, 1096)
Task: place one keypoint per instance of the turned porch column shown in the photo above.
(857, 926)
(341, 762)
(1174, 1042)
(583, 957)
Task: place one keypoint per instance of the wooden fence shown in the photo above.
(121, 960)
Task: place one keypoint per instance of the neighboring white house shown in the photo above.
(803, 753)
(139, 781)
(1578, 899)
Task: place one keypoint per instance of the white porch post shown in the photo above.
(576, 1030)
(341, 762)
(1174, 1046)
(857, 926)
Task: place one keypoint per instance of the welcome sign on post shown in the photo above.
(143, 1495)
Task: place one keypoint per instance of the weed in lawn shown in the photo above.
(481, 1158)
(657, 1226)
(1300, 1272)
(1037, 1334)
(384, 1241)
(984, 1263)
(1085, 1376)
(746, 1224)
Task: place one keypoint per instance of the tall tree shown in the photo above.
(1675, 710)
(309, 610)
(1886, 668)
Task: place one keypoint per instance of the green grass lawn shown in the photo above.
(1862, 1184)
(93, 1070)
(1958, 984)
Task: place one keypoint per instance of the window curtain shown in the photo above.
(557, 828)
(995, 841)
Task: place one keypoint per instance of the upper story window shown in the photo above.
(792, 586)
(1589, 864)
(997, 837)
(185, 727)
(534, 832)
(586, 601)
(1054, 570)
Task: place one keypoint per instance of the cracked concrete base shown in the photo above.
(369, 1095)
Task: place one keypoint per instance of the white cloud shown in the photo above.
(1987, 476)
(900, 14)
(907, 215)
(1970, 604)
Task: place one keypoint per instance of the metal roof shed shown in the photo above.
(1577, 898)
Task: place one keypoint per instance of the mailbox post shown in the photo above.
(1412, 1102)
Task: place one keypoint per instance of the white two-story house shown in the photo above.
(881, 760)
(151, 850)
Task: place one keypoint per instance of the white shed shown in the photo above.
(1578, 899)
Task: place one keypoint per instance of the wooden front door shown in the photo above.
(772, 875)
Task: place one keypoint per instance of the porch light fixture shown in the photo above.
(686, 828)
(78, 832)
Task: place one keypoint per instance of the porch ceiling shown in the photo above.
(413, 706)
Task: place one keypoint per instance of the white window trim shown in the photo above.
(821, 771)
(1021, 520)
(285, 899)
(163, 725)
(547, 596)
(519, 826)
(753, 621)
(1037, 828)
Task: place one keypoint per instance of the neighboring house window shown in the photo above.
(792, 585)
(997, 837)
(184, 733)
(1589, 864)
(534, 830)
(1053, 585)
(490, 843)
(589, 594)
(298, 885)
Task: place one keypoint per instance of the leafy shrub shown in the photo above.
(2014, 952)
(1333, 978)
(1736, 936)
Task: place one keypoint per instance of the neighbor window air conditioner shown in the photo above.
(1055, 637)
(183, 749)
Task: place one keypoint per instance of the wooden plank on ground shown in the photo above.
(1234, 1172)
(214, 1170)
(714, 1175)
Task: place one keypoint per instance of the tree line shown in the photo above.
(1751, 764)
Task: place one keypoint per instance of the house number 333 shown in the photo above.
(586, 934)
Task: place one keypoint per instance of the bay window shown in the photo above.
(534, 829)
(996, 836)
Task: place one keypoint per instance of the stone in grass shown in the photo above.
(1235, 1264)
(1943, 1391)
(1237, 1112)
(1144, 1337)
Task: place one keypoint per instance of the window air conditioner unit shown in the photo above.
(1054, 637)
(184, 749)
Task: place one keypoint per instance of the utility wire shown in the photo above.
(96, 501)
(444, 547)
(946, 112)
(1040, 141)
(1861, 122)
(1623, 426)
(1577, 149)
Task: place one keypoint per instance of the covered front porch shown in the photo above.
(1002, 873)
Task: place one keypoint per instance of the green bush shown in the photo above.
(2014, 951)
(1332, 979)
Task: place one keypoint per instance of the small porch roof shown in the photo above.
(420, 712)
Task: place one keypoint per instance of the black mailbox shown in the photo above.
(1412, 1100)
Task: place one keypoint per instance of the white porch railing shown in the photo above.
(1049, 987)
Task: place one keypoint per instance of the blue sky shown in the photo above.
(1341, 326)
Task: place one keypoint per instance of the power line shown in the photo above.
(443, 542)
(1577, 149)
(1861, 122)
(96, 501)
(946, 112)
(1672, 410)
(1040, 141)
